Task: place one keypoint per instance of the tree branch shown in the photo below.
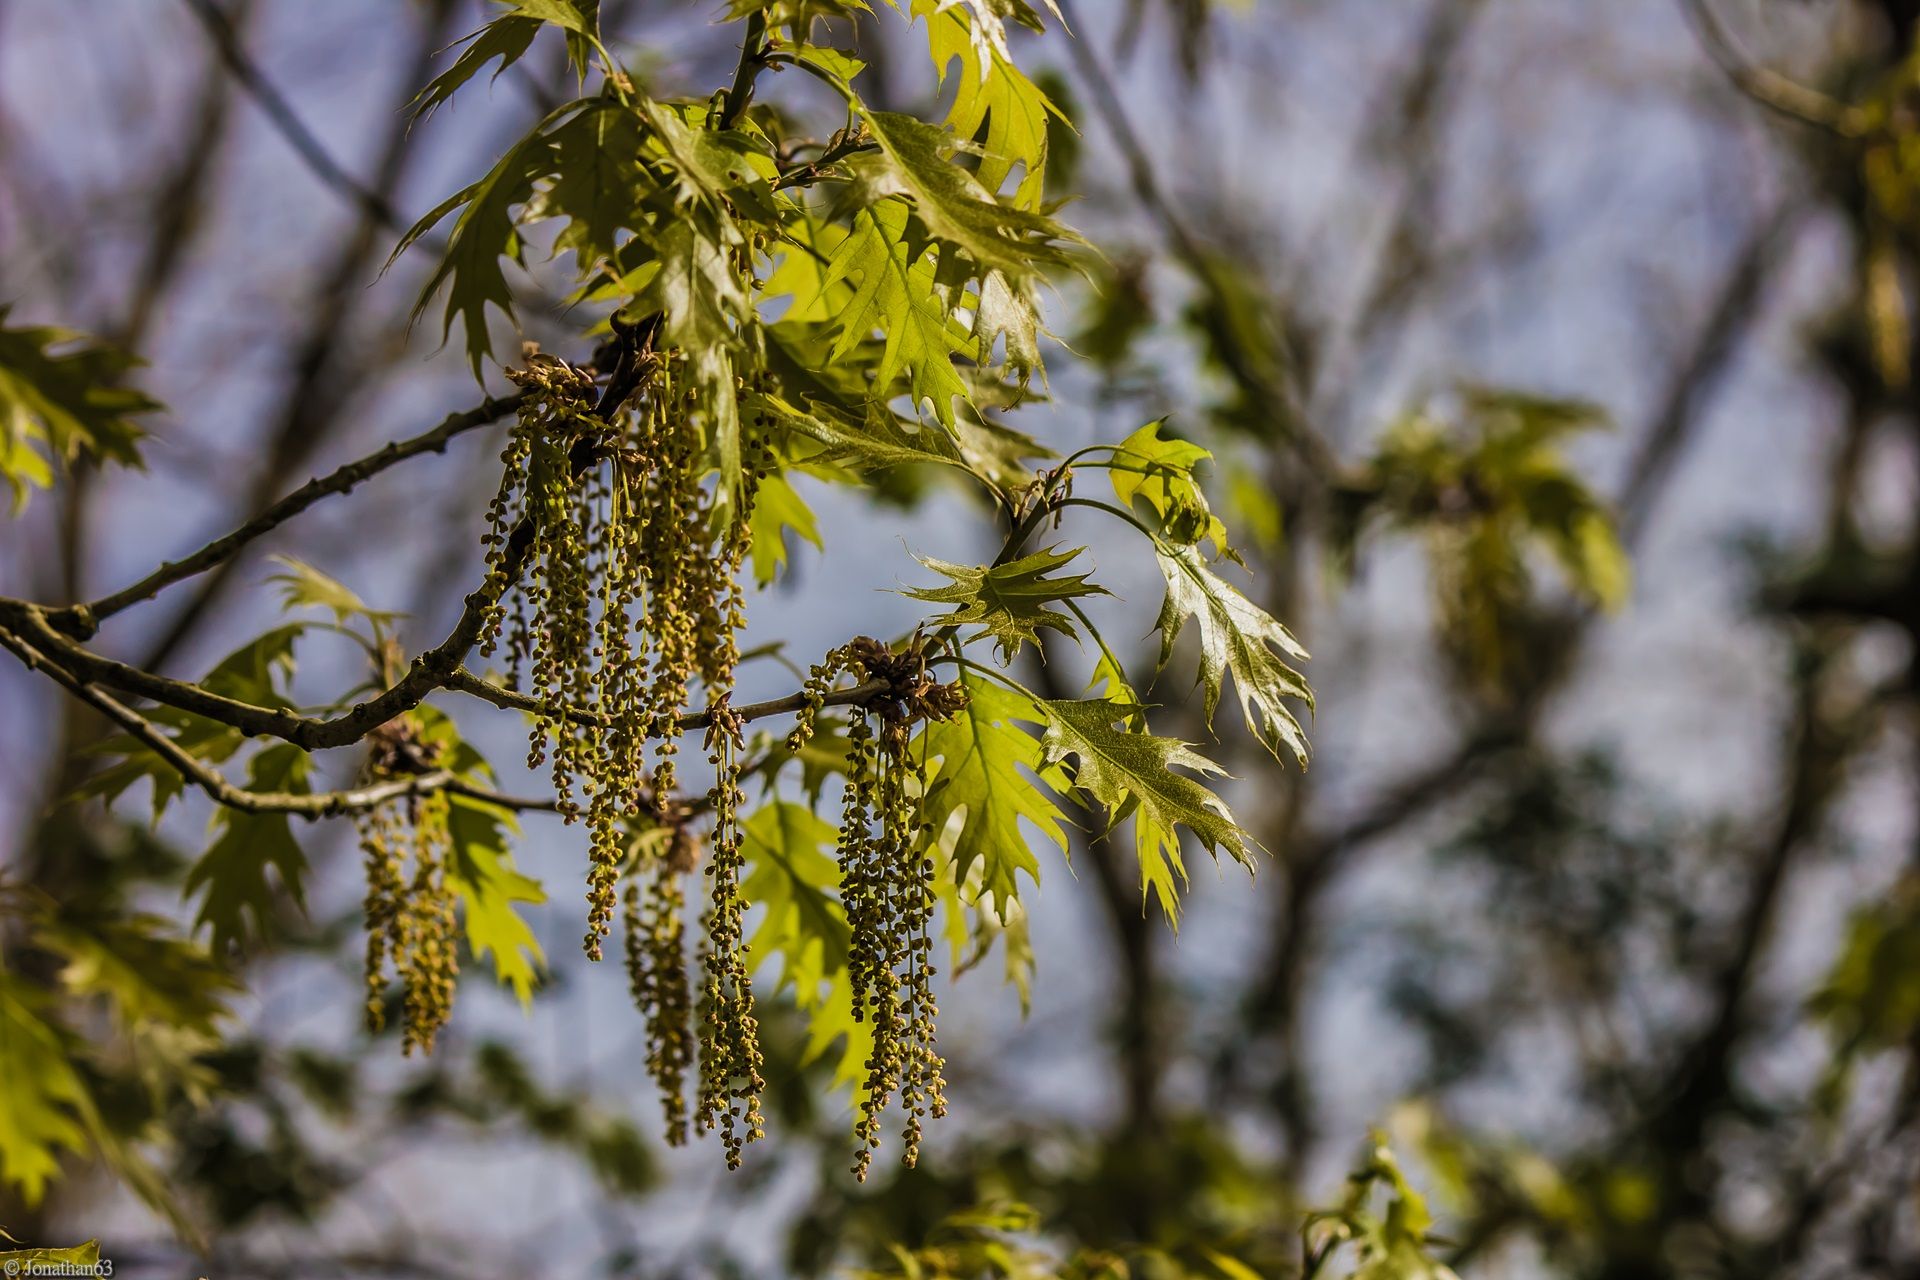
(83, 620)
(278, 110)
(307, 804)
(464, 681)
(1767, 87)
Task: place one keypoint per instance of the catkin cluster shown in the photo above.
(887, 882)
(409, 904)
(615, 567)
(626, 594)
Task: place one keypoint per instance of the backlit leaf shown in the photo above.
(1008, 601)
(982, 771)
(1237, 638)
(45, 1104)
(239, 901)
(61, 399)
(1130, 771)
(480, 872)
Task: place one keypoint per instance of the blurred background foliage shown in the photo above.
(1601, 899)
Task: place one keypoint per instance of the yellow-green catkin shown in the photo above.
(411, 915)
(887, 885)
(730, 1058)
(382, 837)
(656, 954)
(627, 558)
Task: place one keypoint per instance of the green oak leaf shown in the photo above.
(304, 587)
(1130, 771)
(981, 776)
(1239, 638)
(45, 1105)
(60, 399)
(1159, 472)
(955, 208)
(778, 510)
(86, 1254)
(139, 965)
(256, 672)
(894, 293)
(702, 305)
(598, 185)
(1008, 601)
(994, 93)
(480, 872)
(239, 900)
(507, 39)
(794, 881)
(483, 234)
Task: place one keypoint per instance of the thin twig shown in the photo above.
(322, 380)
(1767, 87)
(302, 139)
(81, 620)
(464, 681)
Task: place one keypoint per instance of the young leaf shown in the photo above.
(994, 92)
(505, 38)
(598, 184)
(777, 511)
(895, 295)
(988, 25)
(45, 1102)
(794, 881)
(482, 235)
(565, 14)
(481, 874)
(255, 672)
(1131, 771)
(1159, 473)
(981, 774)
(1237, 637)
(852, 430)
(1008, 601)
(239, 900)
(956, 209)
(56, 406)
(145, 972)
(304, 587)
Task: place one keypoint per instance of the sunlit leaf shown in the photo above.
(1008, 601)
(1130, 772)
(61, 399)
(1237, 638)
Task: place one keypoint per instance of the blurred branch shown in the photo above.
(1318, 859)
(226, 40)
(1698, 375)
(1138, 1026)
(1767, 87)
(1191, 252)
(319, 388)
